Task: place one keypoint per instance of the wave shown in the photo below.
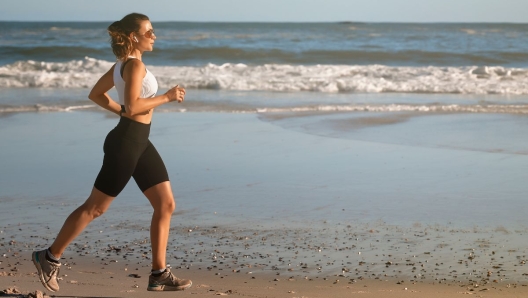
(51, 53)
(227, 108)
(374, 55)
(282, 77)
(45, 108)
(72, 74)
(453, 108)
(366, 54)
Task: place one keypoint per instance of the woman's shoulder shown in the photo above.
(133, 65)
(133, 61)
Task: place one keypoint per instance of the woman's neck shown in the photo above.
(136, 54)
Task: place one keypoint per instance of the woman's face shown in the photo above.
(145, 36)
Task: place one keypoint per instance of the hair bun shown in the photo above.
(120, 31)
(116, 26)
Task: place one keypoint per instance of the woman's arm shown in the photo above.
(133, 75)
(99, 95)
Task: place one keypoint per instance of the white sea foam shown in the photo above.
(283, 77)
(380, 108)
(45, 108)
(72, 74)
(453, 108)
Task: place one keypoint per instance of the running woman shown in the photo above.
(127, 153)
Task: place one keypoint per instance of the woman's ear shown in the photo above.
(133, 37)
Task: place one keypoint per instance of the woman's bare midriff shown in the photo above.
(145, 118)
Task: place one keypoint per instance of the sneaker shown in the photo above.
(167, 282)
(47, 271)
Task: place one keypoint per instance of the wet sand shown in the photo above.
(267, 211)
(375, 260)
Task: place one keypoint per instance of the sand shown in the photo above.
(309, 262)
(265, 209)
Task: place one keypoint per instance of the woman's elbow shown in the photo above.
(93, 96)
(131, 110)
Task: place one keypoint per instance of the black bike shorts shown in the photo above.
(129, 153)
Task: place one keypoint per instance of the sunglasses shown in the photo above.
(148, 34)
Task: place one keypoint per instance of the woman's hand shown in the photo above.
(176, 94)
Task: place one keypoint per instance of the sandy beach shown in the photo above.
(284, 262)
(272, 207)
(317, 159)
(98, 280)
(255, 262)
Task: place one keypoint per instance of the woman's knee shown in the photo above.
(97, 203)
(93, 211)
(96, 212)
(167, 205)
(161, 198)
(171, 206)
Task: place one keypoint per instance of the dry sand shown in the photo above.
(367, 260)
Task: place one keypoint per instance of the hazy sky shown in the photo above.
(515, 11)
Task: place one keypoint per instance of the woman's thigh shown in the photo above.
(150, 169)
(160, 197)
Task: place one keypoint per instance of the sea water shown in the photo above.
(324, 58)
(400, 122)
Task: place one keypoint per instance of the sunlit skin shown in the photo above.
(138, 109)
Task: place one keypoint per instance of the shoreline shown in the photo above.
(252, 198)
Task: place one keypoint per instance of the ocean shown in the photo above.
(456, 88)
(327, 59)
(312, 143)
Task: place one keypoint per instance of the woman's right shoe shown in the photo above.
(167, 282)
(47, 271)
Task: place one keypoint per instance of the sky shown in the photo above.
(509, 11)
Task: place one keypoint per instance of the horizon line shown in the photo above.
(282, 22)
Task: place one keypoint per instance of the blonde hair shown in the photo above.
(119, 32)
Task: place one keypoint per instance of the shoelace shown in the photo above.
(174, 279)
(55, 270)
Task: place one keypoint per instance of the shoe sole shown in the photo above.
(34, 258)
(162, 288)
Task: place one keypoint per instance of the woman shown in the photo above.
(128, 153)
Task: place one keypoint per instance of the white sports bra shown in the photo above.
(149, 88)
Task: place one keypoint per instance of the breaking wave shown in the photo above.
(282, 77)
